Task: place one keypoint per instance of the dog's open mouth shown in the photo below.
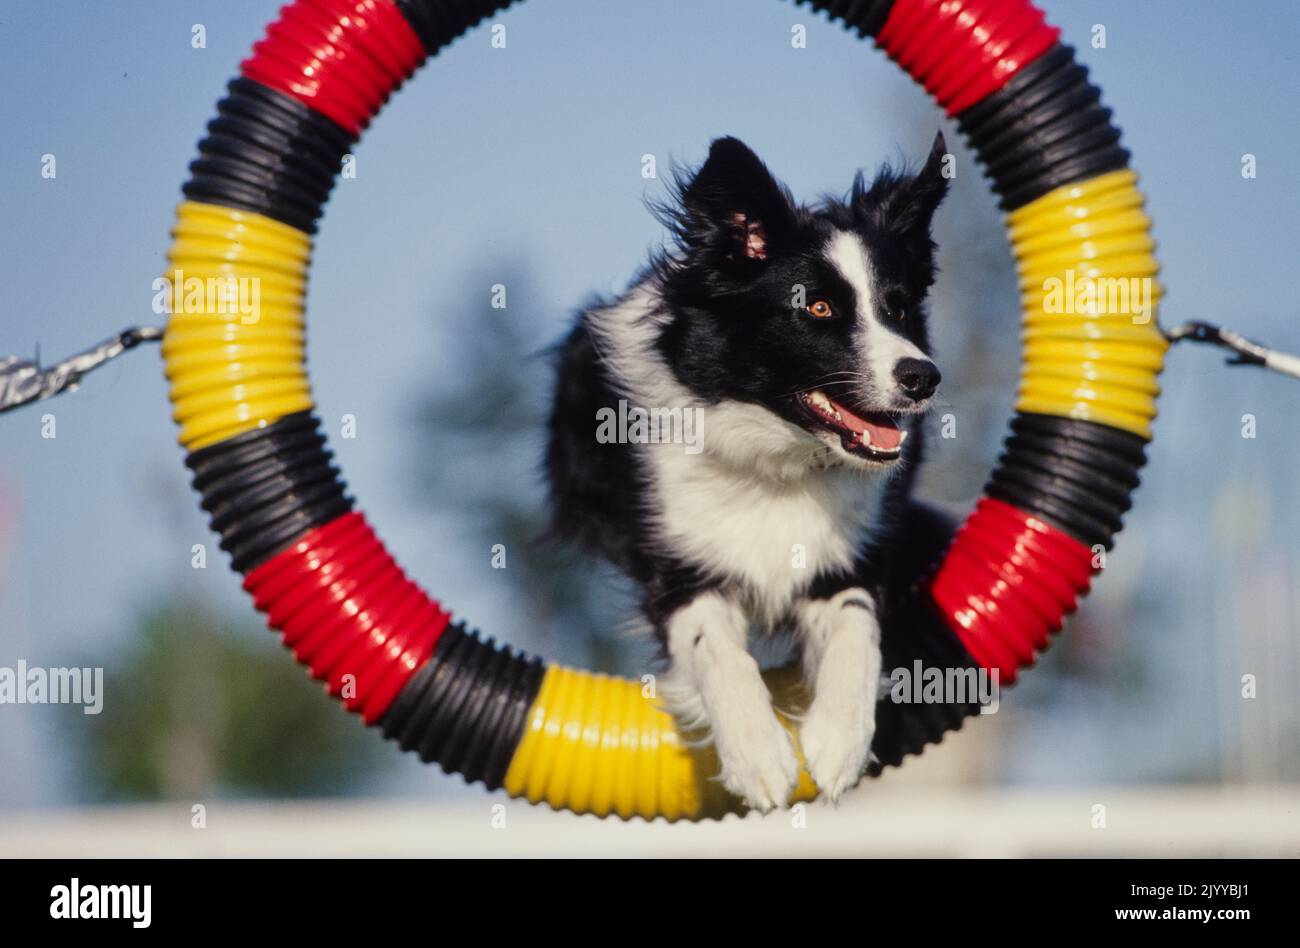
(874, 435)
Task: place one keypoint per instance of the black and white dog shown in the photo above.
(794, 338)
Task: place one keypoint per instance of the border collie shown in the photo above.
(794, 338)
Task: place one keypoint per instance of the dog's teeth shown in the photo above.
(820, 400)
(866, 437)
(902, 436)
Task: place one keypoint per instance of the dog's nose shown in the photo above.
(918, 378)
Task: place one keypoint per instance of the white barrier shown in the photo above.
(1166, 821)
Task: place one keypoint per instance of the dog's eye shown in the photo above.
(896, 306)
(820, 310)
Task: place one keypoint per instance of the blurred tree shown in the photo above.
(479, 449)
(199, 706)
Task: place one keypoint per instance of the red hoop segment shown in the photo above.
(349, 613)
(963, 50)
(343, 58)
(1008, 581)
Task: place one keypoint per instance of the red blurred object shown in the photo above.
(343, 58)
(1007, 583)
(964, 50)
(347, 610)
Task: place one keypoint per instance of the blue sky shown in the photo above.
(532, 154)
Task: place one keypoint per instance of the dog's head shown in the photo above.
(816, 314)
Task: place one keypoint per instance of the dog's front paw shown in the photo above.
(836, 744)
(759, 763)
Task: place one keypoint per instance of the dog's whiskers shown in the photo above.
(828, 380)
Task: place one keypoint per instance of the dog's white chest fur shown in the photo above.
(770, 536)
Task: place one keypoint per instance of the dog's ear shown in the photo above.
(905, 205)
(732, 208)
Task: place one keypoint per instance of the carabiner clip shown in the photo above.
(1245, 351)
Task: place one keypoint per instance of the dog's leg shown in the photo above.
(714, 681)
(841, 658)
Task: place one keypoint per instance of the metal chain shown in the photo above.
(23, 381)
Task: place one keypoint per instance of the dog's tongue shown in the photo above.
(883, 435)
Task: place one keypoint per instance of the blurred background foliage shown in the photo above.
(479, 431)
(204, 705)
